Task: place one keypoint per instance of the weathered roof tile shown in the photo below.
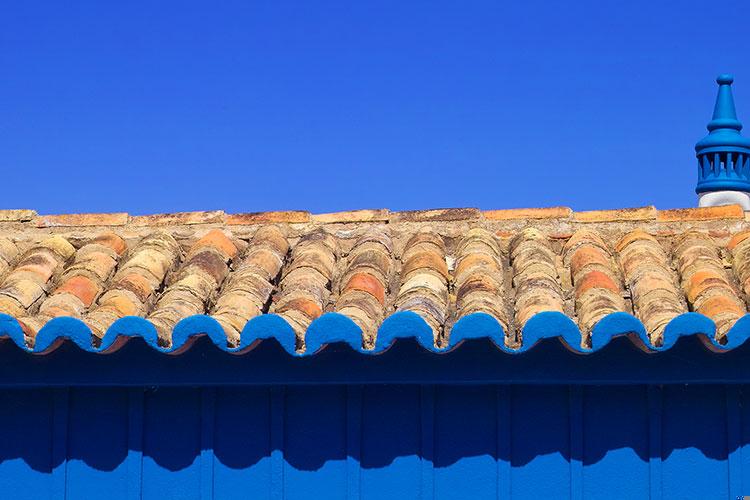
(71, 220)
(289, 217)
(700, 214)
(480, 278)
(527, 213)
(212, 217)
(305, 286)
(596, 281)
(623, 214)
(18, 215)
(443, 265)
(365, 282)
(380, 215)
(705, 282)
(441, 214)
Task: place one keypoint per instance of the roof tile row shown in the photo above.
(598, 287)
(454, 265)
(365, 281)
(378, 215)
(651, 281)
(248, 289)
(535, 276)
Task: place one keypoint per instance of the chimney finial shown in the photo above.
(724, 154)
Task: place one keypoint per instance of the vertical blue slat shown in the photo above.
(655, 410)
(353, 440)
(465, 442)
(745, 433)
(171, 444)
(386, 441)
(540, 442)
(315, 442)
(242, 443)
(615, 442)
(504, 432)
(278, 415)
(134, 459)
(60, 408)
(97, 443)
(26, 427)
(391, 442)
(427, 405)
(734, 440)
(744, 404)
(694, 439)
(208, 425)
(576, 441)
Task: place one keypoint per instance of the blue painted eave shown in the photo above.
(334, 328)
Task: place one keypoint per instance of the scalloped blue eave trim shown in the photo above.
(334, 328)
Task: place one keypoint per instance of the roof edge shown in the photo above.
(649, 213)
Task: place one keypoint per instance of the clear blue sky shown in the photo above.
(246, 106)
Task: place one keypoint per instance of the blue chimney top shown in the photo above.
(724, 154)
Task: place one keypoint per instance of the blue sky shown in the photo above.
(247, 106)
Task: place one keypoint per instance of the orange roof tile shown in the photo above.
(440, 264)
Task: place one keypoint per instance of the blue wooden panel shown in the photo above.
(694, 442)
(616, 442)
(242, 443)
(25, 445)
(391, 442)
(315, 442)
(744, 444)
(540, 442)
(461, 450)
(734, 439)
(376, 441)
(97, 443)
(171, 444)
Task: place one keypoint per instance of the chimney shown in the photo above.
(723, 155)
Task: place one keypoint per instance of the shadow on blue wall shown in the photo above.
(389, 439)
(396, 428)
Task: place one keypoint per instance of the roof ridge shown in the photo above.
(646, 213)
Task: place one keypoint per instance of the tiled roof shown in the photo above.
(368, 277)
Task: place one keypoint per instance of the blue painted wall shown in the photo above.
(376, 441)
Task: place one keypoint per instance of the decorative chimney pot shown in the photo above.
(724, 155)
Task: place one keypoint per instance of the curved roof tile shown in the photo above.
(369, 278)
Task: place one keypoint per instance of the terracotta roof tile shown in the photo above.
(249, 287)
(136, 281)
(441, 214)
(69, 220)
(443, 265)
(700, 214)
(535, 276)
(200, 275)
(8, 254)
(353, 216)
(739, 245)
(28, 281)
(706, 284)
(623, 214)
(652, 282)
(364, 285)
(480, 278)
(597, 284)
(528, 213)
(289, 217)
(18, 215)
(213, 217)
(305, 285)
(424, 288)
